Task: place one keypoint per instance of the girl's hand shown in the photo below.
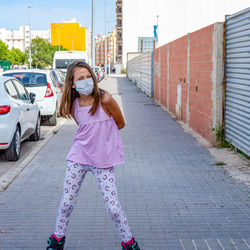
(113, 108)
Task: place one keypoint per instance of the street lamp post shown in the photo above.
(30, 59)
(59, 30)
(73, 41)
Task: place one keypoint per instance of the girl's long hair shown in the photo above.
(70, 94)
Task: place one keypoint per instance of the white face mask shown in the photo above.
(85, 87)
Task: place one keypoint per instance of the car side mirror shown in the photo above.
(32, 97)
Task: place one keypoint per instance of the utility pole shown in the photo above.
(108, 47)
(93, 35)
(105, 52)
(30, 59)
(12, 37)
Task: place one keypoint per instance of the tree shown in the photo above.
(16, 57)
(39, 53)
(4, 51)
(42, 53)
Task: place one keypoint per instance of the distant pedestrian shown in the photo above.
(97, 147)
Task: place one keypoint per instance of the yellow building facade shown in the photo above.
(69, 35)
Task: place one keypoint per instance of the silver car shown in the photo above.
(19, 117)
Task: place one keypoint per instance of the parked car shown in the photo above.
(44, 84)
(19, 117)
(60, 78)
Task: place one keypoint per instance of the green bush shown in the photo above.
(123, 71)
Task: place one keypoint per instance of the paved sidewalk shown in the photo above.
(173, 195)
(10, 169)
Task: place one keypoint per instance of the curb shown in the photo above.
(7, 178)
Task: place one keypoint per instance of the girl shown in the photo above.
(97, 147)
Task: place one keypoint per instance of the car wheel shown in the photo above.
(53, 119)
(13, 152)
(37, 133)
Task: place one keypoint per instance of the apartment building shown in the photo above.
(20, 38)
(100, 49)
(119, 31)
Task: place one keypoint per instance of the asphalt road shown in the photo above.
(27, 146)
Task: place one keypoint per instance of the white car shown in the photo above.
(45, 86)
(19, 117)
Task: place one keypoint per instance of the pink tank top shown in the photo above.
(97, 141)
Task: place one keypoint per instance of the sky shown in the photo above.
(176, 18)
(14, 13)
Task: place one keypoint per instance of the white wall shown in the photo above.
(176, 18)
(20, 38)
(45, 34)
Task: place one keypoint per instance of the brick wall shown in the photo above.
(189, 61)
(157, 74)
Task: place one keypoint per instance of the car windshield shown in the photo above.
(63, 63)
(30, 79)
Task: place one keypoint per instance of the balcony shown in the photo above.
(119, 3)
(119, 15)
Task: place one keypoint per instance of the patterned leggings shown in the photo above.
(105, 178)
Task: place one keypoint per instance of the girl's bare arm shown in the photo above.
(113, 108)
